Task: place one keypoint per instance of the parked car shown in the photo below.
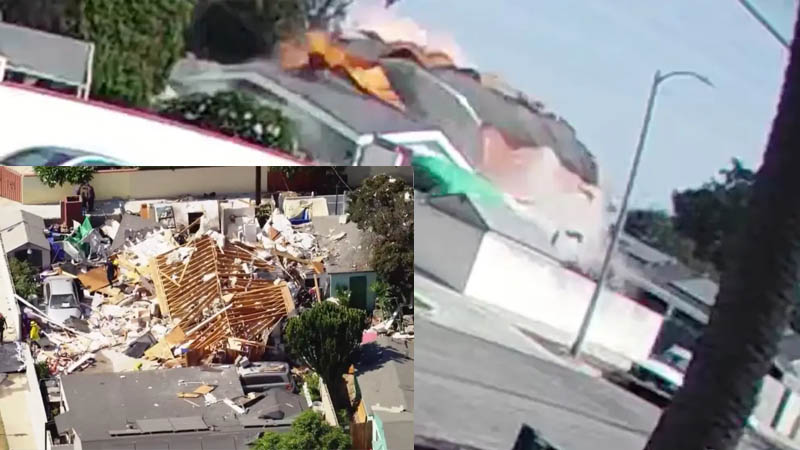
(62, 298)
(264, 375)
(665, 371)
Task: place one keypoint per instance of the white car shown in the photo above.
(665, 372)
(35, 122)
(62, 299)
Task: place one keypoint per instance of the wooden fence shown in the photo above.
(10, 184)
(361, 434)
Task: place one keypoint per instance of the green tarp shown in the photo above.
(78, 234)
(449, 179)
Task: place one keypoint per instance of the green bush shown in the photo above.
(23, 275)
(309, 430)
(136, 44)
(233, 114)
(312, 381)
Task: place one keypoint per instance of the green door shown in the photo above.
(358, 292)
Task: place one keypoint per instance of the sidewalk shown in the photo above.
(453, 310)
(14, 400)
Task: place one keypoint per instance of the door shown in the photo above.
(358, 292)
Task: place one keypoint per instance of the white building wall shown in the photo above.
(539, 289)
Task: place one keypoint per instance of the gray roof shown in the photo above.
(105, 402)
(351, 253)
(22, 227)
(642, 252)
(361, 112)
(430, 100)
(44, 54)
(701, 289)
(519, 122)
(385, 375)
(131, 226)
(497, 218)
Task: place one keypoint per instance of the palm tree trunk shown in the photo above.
(757, 294)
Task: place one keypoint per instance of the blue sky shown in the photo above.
(592, 62)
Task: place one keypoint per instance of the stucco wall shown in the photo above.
(535, 287)
(768, 400)
(343, 279)
(8, 304)
(145, 184)
(444, 247)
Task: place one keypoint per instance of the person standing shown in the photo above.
(34, 333)
(86, 194)
(2, 327)
(111, 269)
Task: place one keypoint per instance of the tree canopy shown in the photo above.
(309, 430)
(384, 206)
(326, 337)
(703, 219)
(55, 175)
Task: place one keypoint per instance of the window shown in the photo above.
(63, 301)
(265, 379)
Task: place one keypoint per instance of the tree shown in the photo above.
(136, 44)
(233, 114)
(757, 294)
(233, 31)
(717, 209)
(309, 430)
(384, 206)
(23, 275)
(54, 175)
(52, 16)
(326, 337)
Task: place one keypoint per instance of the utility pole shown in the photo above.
(258, 185)
(764, 22)
(620, 223)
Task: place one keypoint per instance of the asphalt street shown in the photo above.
(473, 389)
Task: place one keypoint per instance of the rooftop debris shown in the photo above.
(179, 299)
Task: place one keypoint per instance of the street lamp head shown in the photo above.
(702, 78)
(705, 80)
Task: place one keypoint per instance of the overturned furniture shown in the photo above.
(210, 289)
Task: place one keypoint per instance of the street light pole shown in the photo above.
(764, 22)
(620, 223)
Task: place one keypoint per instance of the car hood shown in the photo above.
(663, 370)
(61, 315)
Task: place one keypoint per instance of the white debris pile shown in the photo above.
(109, 326)
(154, 243)
(280, 234)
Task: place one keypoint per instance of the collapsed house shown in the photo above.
(210, 291)
(180, 297)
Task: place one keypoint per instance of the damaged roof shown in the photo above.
(349, 253)
(361, 112)
(522, 124)
(134, 405)
(20, 228)
(500, 219)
